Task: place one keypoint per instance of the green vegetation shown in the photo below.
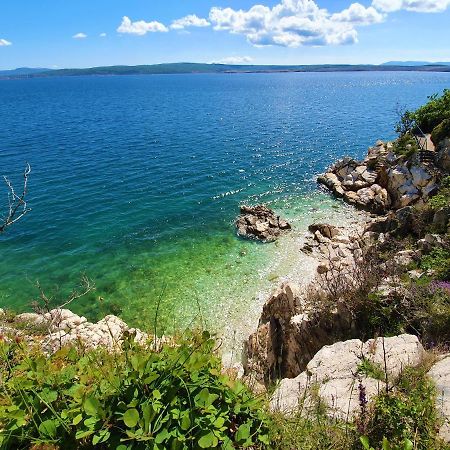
(442, 198)
(438, 260)
(405, 416)
(405, 145)
(433, 113)
(441, 131)
(370, 369)
(134, 399)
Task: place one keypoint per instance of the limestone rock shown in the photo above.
(261, 223)
(334, 372)
(440, 374)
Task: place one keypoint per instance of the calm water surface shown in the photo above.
(136, 180)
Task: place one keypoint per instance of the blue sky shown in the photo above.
(85, 33)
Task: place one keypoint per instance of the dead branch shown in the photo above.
(17, 203)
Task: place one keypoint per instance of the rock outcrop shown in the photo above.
(337, 371)
(261, 223)
(440, 374)
(383, 181)
(61, 327)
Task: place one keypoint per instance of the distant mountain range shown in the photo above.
(179, 68)
(23, 71)
(415, 63)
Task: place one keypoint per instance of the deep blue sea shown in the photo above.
(136, 181)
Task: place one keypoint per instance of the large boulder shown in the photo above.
(440, 374)
(335, 374)
(261, 223)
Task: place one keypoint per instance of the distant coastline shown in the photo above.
(196, 68)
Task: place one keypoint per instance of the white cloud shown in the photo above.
(102, 34)
(4, 43)
(292, 23)
(189, 21)
(140, 27)
(234, 60)
(357, 14)
(80, 36)
(427, 6)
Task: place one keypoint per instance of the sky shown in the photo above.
(87, 33)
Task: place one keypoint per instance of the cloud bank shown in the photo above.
(4, 43)
(292, 23)
(425, 6)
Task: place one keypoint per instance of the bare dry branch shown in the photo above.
(17, 203)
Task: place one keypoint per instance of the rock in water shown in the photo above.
(261, 223)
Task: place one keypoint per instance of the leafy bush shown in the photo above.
(405, 417)
(441, 131)
(438, 260)
(434, 112)
(442, 198)
(405, 145)
(134, 399)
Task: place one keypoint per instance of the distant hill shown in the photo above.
(184, 68)
(23, 71)
(415, 63)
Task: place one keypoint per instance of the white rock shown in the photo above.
(440, 374)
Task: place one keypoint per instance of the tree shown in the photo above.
(17, 203)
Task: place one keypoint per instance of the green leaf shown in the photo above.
(185, 422)
(92, 406)
(77, 419)
(408, 445)
(48, 428)
(243, 432)
(162, 436)
(157, 395)
(131, 417)
(102, 436)
(365, 442)
(208, 441)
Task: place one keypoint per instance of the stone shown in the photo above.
(420, 176)
(441, 219)
(440, 374)
(261, 223)
(334, 372)
(443, 157)
(329, 231)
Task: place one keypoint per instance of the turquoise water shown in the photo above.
(136, 181)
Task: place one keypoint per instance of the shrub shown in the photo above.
(438, 260)
(441, 131)
(405, 417)
(434, 112)
(405, 145)
(442, 198)
(134, 399)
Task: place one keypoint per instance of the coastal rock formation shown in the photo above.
(440, 374)
(443, 159)
(383, 181)
(334, 374)
(289, 334)
(261, 223)
(61, 327)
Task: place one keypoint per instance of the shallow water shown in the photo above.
(136, 181)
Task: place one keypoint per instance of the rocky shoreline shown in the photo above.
(293, 343)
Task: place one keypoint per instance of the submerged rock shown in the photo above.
(261, 223)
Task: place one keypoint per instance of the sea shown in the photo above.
(136, 182)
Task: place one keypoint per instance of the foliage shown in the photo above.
(405, 145)
(134, 399)
(441, 131)
(434, 112)
(438, 260)
(442, 198)
(405, 417)
(371, 369)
